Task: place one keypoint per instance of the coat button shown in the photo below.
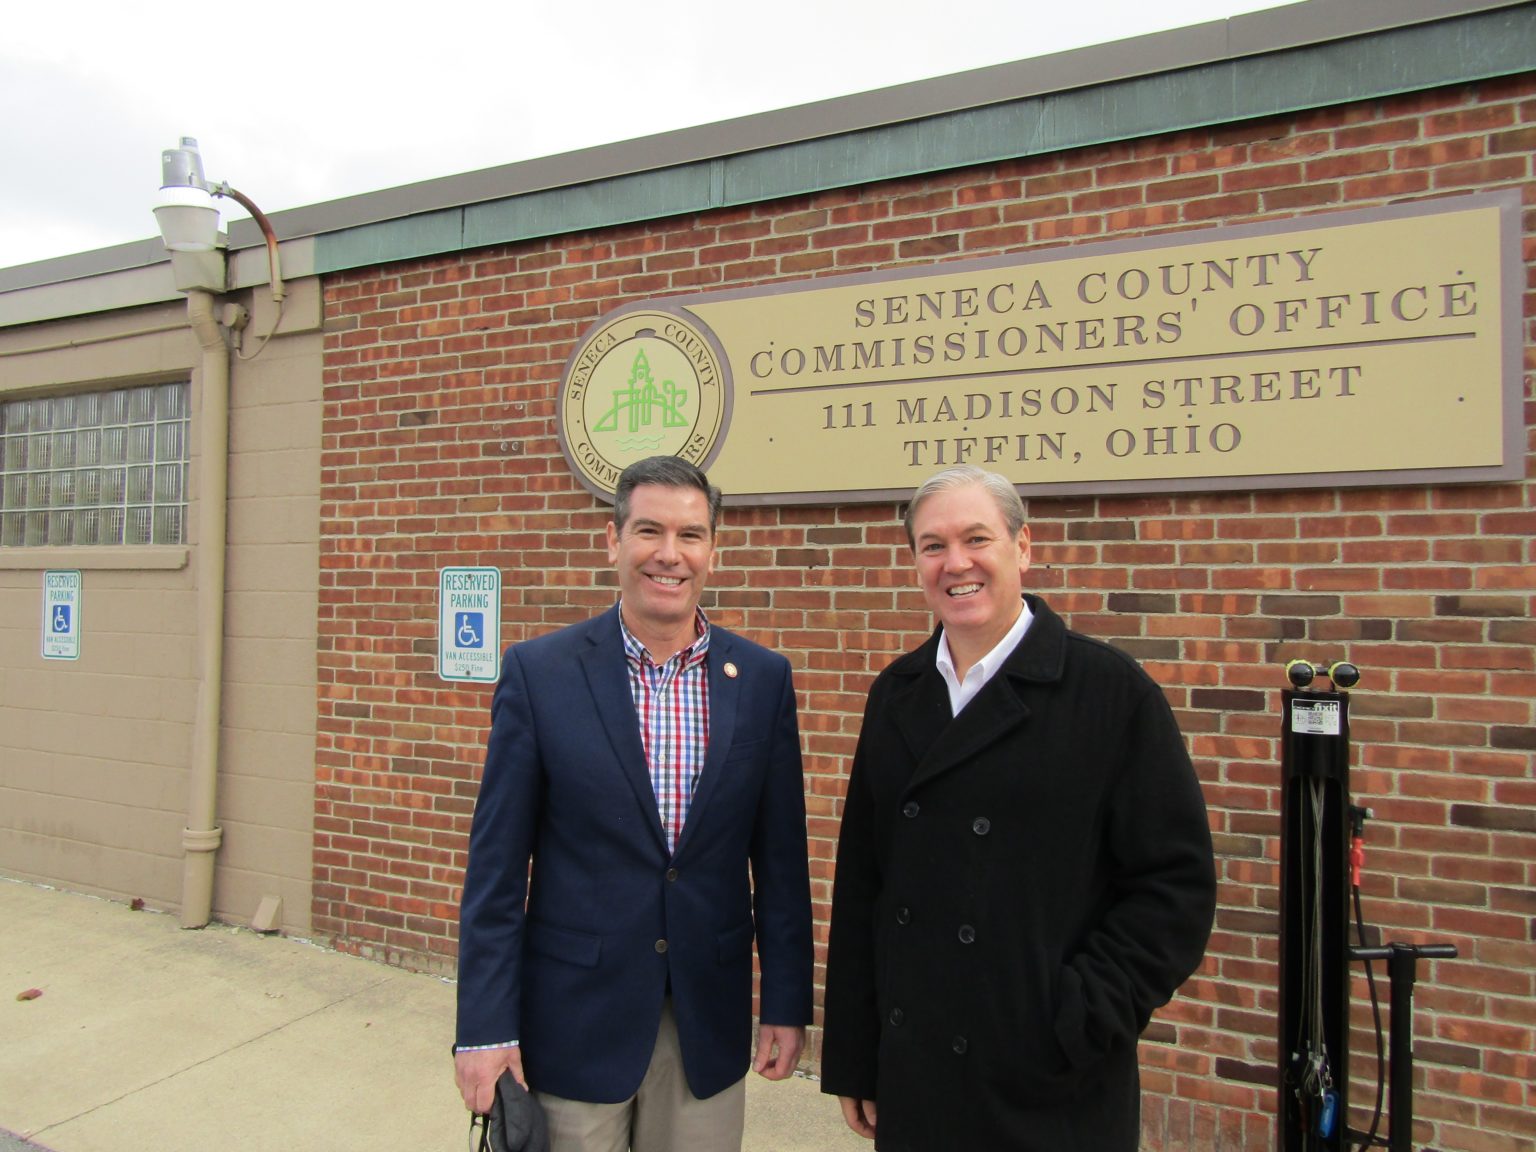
(981, 825)
(897, 1017)
(959, 1044)
(671, 875)
(661, 945)
(909, 809)
(967, 934)
(903, 915)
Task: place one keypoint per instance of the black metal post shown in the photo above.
(1314, 918)
(1403, 971)
(1315, 953)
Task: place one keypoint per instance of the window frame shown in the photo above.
(123, 454)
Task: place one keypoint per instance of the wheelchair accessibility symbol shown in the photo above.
(469, 630)
(61, 619)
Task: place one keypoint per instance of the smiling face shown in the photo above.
(663, 555)
(970, 568)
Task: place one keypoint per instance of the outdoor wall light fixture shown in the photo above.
(188, 218)
(189, 223)
(185, 211)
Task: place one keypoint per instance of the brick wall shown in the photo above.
(439, 449)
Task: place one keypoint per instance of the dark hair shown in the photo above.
(669, 472)
(1003, 494)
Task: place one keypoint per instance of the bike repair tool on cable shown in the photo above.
(1322, 858)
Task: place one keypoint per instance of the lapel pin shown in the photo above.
(730, 670)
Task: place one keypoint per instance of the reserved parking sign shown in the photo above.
(469, 624)
(61, 615)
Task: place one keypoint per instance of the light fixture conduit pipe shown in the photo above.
(87, 341)
(202, 835)
(274, 266)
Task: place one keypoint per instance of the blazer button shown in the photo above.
(967, 934)
(903, 915)
(671, 875)
(909, 809)
(661, 945)
(981, 825)
(897, 1017)
(960, 1044)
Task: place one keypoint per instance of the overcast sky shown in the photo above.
(295, 103)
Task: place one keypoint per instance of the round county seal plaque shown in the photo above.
(641, 383)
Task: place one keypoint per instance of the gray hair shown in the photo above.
(1003, 494)
(669, 472)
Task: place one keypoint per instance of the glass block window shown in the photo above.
(95, 467)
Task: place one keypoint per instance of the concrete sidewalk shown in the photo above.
(147, 1036)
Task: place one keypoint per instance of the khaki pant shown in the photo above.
(663, 1116)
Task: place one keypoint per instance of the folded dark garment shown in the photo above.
(515, 1122)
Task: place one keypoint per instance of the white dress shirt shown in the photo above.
(962, 692)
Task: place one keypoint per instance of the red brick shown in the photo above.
(1430, 588)
(1036, 209)
(1269, 176)
(1184, 189)
(1494, 171)
(1388, 184)
(1218, 207)
(1058, 182)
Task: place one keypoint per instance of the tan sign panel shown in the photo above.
(1368, 347)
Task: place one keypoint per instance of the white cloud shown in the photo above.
(295, 103)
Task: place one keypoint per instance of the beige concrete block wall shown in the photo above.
(95, 753)
(267, 784)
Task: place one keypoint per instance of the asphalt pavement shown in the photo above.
(148, 1036)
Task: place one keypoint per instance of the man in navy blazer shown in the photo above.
(647, 764)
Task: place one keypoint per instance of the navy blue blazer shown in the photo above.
(574, 960)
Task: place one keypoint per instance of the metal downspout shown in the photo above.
(201, 837)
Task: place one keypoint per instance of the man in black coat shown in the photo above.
(1024, 871)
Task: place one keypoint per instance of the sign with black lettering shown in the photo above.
(1379, 346)
(1316, 717)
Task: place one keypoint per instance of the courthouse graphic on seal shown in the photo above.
(642, 383)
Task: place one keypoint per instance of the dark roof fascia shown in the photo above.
(1494, 40)
(1294, 26)
(79, 265)
(438, 215)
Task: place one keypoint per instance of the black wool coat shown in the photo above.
(1018, 889)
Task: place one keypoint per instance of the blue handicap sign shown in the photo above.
(469, 630)
(61, 618)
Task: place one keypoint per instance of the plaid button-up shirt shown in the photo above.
(672, 702)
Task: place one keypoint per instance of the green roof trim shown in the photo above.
(1463, 49)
